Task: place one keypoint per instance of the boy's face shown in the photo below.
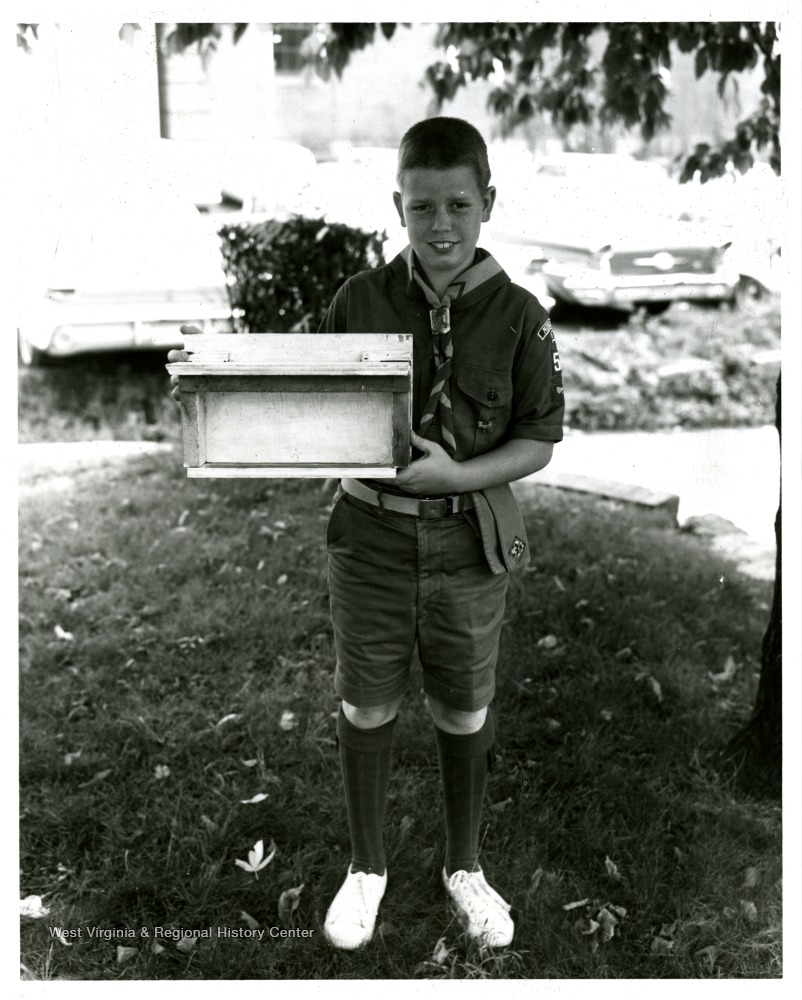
(443, 211)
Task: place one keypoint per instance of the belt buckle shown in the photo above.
(429, 510)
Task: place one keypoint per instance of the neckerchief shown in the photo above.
(440, 319)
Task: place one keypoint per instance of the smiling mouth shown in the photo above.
(443, 244)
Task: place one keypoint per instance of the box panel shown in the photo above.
(284, 428)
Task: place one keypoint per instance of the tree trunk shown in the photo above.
(757, 749)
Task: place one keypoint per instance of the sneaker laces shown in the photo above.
(475, 895)
(355, 897)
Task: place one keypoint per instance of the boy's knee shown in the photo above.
(453, 721)
(370, 718)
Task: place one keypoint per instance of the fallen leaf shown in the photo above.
(535, 881)
(499, 806)
(182, 518)
(249, 920)
(606, 714)
(668, 930)
(288, 721)
(624, 655)
(70, 758)
(161, 771)
(232, 717)
(441, 952)
(124, 954)
(288, 904)
(62, 938)
(612, 869)
(59, 633)
(661, 946)
(256, 859)
(575, 905)
(709, 954)
(282, 580)
(406, 824)
(210, 824)
(748, 910)
(259, 797)
(607, 923)
(653, 683)
(387, 930)
(751, 878)
(586, 925)
(249, 763)
(727, 674)
(156, 948)
(186, 944)
(548, 642)
(96, 779)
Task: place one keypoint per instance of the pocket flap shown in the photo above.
(490, 388)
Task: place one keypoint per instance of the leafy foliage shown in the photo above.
(554, 68)
(283, 274)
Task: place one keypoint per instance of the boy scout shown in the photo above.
(423, 559)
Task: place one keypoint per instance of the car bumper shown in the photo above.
(108, 329)
(621, 292)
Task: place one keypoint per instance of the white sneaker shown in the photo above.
(484, 915)
(352, 915)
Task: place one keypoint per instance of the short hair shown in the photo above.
(442, 143)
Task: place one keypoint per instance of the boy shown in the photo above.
(422, 559)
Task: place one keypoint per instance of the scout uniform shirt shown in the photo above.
(506, 378)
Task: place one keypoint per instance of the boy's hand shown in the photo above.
(175, 392)
(436, 472)
(188, 331)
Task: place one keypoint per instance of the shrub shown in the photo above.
(282, 275)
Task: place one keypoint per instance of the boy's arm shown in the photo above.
(437, 472)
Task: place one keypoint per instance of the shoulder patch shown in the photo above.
(546, 330)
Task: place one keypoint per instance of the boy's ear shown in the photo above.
(487, 203)
(399, 207)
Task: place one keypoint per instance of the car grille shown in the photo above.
(685, 260)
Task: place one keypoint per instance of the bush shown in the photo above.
(282, 275)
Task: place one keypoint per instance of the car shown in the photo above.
(115, 255)
(603, 230)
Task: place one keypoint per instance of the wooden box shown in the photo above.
(296, 405)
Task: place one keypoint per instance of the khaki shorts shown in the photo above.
(396, 579)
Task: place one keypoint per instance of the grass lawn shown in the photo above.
(177, 708)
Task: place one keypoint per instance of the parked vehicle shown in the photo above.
(603, 230)
(115, 257)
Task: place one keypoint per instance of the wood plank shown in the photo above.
(368, 369)
(286, 428)
(290, 347)
(292, 383)
(192, 408)
(213, 471)
(402, 425)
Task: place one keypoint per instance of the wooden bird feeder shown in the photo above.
(320, 405)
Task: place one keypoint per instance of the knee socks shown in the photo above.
(463, 768)
(365, 762)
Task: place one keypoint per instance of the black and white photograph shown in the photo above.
(407, 501)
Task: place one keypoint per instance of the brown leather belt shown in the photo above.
(428, 509)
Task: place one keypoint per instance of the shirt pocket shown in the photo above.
(484, 408)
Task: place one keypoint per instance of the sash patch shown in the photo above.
(517, 548)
